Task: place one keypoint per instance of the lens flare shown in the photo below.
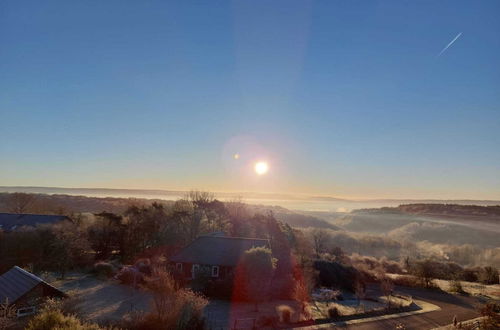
(261, 168)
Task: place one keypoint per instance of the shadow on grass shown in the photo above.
(342, 319)
(440, 296)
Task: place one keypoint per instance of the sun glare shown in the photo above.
(261, 168)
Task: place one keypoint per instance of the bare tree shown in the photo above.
(163, 287)
(173, 307)
(20, 202)
(387, 286)
(200, 199)
(320, 239)
(425, 270)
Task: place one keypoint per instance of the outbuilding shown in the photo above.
(25, 290)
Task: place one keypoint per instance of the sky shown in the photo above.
(360, 99)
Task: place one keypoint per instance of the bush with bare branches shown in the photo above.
(173, 307)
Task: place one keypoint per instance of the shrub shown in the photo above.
(491, 315)
(190, 315)
(334, 313)
(130, 275)
(104, 269)
(372, 264)
(140, 321)
(7, 315)
(174, 308)
(143, 266)
(254, 274)
(67, 306)
(425, 271)
(334, 274)
(184, 311)
(488, 275)
(49, 319)
(469, 275)
(391, 266)
(406, 280)
(456, 286)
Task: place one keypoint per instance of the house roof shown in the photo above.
(11, 221)
(16, 282)
(216, 250)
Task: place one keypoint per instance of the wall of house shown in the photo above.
(32, 298)
(36, 296)
(224, 271)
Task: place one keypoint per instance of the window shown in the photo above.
(25, 311)
(215, 271)
(194, 270)
(178, 266)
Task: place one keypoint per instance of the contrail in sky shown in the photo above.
(450, 43)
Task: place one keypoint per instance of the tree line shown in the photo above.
(140, 230)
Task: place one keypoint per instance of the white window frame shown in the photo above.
(194, 269)
(25, 311)
(178, 266)
(215, 271)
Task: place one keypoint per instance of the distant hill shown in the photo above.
(67, 204)
(436, 223)
(304, 221)
(438, 210)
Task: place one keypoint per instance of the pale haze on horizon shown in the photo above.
(334, 98)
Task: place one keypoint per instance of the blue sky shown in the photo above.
(341, 98)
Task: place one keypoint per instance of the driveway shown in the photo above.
(105, 300)
(463, 307)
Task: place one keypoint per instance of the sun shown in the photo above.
(261, 168)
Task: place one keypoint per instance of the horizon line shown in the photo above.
(269, 195)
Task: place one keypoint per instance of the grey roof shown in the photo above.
(16, 282)
(11, 221)
(216, 250)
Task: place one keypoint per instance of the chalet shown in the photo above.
(25, 291)
(12, 222)
(218, 255)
